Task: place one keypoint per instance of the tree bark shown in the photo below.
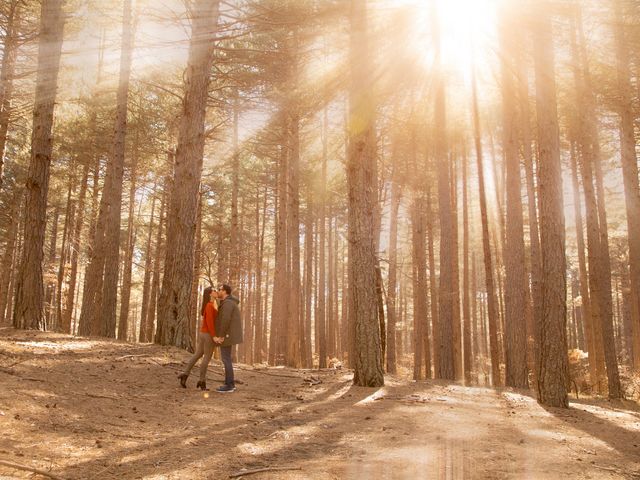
(361, 185)
(392, 280)
(553, 370)
(9, 254)
(125, 292)
(466, 301)
(629, 170)
(516, 289)
(173, 304)
(146, 283)
(114, 201)
(448, 293)
(29, 308)
(492, 301)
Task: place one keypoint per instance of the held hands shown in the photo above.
(218, 339)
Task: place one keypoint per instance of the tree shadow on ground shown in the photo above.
(625, 442)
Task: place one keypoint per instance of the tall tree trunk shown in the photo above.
(146, 283)
(234, 238)
(457, 320)
(260, 345)
(392, 286)
(535, 259)
(433, 285)
(582, 266)
(492, 301)
(553, 370)
(173, 304)
(74, 247)
(112, 232)
(307, 361)
(466, 301)
(195, 280)
(422, 354)
(361, 184)
(293, 356)
(9, 254)
(330, 319)
(125, 292)
(444, 343)
(65, 251)
(629, 170)
(279, 305)
(321, 315)
(516, 289)
(149, 333)
(599, 258)
(29, 308)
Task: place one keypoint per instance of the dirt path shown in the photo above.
(106, 410)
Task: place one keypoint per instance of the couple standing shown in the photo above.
(221, 325)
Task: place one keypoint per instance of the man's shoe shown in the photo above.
(226, 388)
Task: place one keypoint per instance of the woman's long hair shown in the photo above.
(206, 298)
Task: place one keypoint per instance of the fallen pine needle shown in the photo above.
(259, 470)
(29, 469)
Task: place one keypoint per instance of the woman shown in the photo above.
(209, 311)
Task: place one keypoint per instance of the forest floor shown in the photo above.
(86, 409)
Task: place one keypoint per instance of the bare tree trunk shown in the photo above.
(149, 333)
(125, 292)
(260, 344)
(279, 306)
(173, 304)
(535, 259)
(599, 259)
(516, 289)
(457, 320)
(195, 280)
(234, 240)
(448, 292)
(29, 309)
(65, 251)
(114, 200)
(330, 319)
(392, 287)
(629, 170)
(422, 354)
(492, 302)
(9, 254)
(553, 371)
(466, 301)
(307, 361)
(433, 286)
(146, 283)
(582, 266)
(293, 358)
(361, 185)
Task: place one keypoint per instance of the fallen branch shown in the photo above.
(29, 469)
(608, 469)
(132, 356)
(253, 370)
(259, 470)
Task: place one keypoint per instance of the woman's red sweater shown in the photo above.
(209, 319)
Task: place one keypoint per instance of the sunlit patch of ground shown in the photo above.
(108, 410)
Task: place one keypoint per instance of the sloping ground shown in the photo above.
(85, 409)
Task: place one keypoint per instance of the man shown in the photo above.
(229, 333)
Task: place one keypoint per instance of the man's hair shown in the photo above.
(226, 288)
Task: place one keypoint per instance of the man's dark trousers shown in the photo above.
(225, 354)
